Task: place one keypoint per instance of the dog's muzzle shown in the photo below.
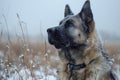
(57, 37)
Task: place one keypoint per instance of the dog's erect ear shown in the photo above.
(86, 12)
(67, 11)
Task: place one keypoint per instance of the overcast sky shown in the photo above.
(41, 14)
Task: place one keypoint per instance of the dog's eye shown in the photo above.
(60, 23)
(68, 24)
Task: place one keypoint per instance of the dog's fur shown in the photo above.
(77, 42)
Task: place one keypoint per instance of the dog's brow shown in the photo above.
(66, 19)
(71, 20)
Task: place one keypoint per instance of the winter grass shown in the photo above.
(22, 59)
(22, 62)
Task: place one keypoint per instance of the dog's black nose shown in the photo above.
(49, 30)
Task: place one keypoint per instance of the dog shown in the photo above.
(79, 47)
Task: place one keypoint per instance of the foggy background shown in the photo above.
(38, 15)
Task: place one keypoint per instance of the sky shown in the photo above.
(38, 15)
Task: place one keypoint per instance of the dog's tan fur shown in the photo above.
(99, 69)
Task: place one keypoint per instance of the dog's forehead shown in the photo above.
(74, 18)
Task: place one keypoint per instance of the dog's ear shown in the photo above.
(67, 11)
(86, 12)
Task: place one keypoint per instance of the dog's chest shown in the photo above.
(76, 55)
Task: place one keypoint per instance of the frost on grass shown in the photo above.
(21, 62)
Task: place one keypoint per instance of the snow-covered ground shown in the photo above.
(10, 71)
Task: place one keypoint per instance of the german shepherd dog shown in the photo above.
(79, 48)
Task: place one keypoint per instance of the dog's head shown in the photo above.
(73, 30)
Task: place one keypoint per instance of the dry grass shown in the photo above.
(22, 59)
(32, 56)
(113, 49)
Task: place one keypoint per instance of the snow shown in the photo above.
(13, 72)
